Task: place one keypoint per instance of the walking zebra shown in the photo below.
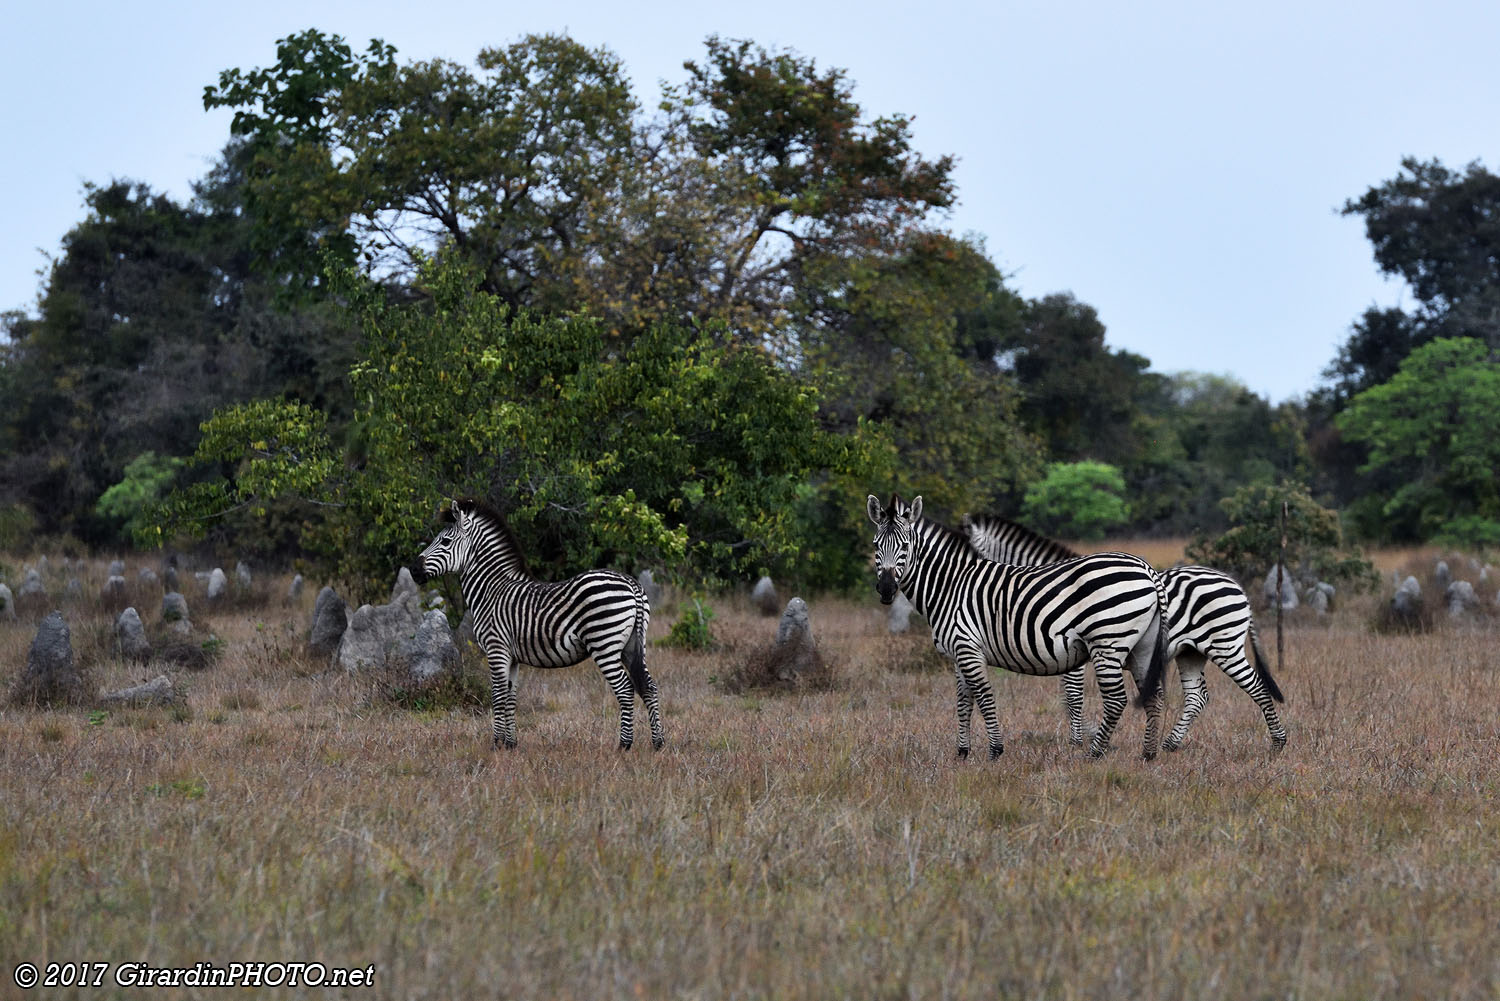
(1045, 620)
(519, 620)
(1208, 618)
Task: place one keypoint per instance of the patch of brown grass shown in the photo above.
(814, 845)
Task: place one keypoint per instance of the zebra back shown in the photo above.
(1004, 541)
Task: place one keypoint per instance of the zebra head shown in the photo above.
(895, 541)
(449, 552)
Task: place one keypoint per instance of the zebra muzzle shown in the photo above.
(885, 585)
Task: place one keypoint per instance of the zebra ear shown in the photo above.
(916, 508)
(872, 508)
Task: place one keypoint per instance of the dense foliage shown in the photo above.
(684, 336)
(1315, 546)
(1077, 500)
(678, 450)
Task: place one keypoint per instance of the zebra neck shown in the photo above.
(938, 555)
(493, 563)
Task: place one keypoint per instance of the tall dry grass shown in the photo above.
(821, 845)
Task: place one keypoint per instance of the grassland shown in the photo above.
(818, 845)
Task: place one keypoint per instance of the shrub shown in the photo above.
(691, 631)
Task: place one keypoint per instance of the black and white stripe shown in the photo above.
(1208, 618)
(1107, 609)
(519, 620)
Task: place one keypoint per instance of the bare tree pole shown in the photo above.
(1280, 569)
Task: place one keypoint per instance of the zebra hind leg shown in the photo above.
(645, 686)
(1072, 689)
(1242, 674)
(1194, 696)
(613, 670)
(1112, 691)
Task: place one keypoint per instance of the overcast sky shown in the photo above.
(1179, 166)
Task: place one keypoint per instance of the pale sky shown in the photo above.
(1179, 166)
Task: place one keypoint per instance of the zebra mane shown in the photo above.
(943, 532)
(475, 506)
(1018, 536)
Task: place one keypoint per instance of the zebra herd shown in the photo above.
(994, 593)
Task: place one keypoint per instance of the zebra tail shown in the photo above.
(1156, 672)
(635, 653)
(1262, 668)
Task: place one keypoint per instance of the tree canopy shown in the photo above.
(1434, 428)
(680, 451)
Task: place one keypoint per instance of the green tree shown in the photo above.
(678, 451)
(1080, 396)
(1077, 500)
(894, 342)
(128, 502)
(1315, 550)
(1439, 229)
(1433, 434)
(539, 171)
(149, 319)
(1205, 436)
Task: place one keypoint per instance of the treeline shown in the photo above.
(687, 335)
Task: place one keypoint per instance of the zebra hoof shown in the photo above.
(963, 752)
(497, 743)
(1171, 744)
(657, 743)
(1149, 755)
(1278, 744)
(1074, 741)
(1097, 750)
(625, 745)
(996, 750)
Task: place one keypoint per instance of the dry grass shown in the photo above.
(816, 845)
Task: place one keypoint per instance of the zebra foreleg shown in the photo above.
(965, 711)
(1072, 692)
(971, 668)
(502, 699)
(1194, 696)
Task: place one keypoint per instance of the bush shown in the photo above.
(1315, 542)
(691, 631)
(781, 667)
(1077, 500)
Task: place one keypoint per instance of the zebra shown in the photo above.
(1208, 618)
(1046, 620)
(520, 620)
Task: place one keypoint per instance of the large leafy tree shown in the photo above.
(1080, 396)
(900, 342)
(539, 171)
(1439, 230)
(149, 319)
(1433, 434)
(678, 451)
(1315, 545)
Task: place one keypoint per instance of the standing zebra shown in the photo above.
(519, 620)
(1208, 618)
(1044, 620)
